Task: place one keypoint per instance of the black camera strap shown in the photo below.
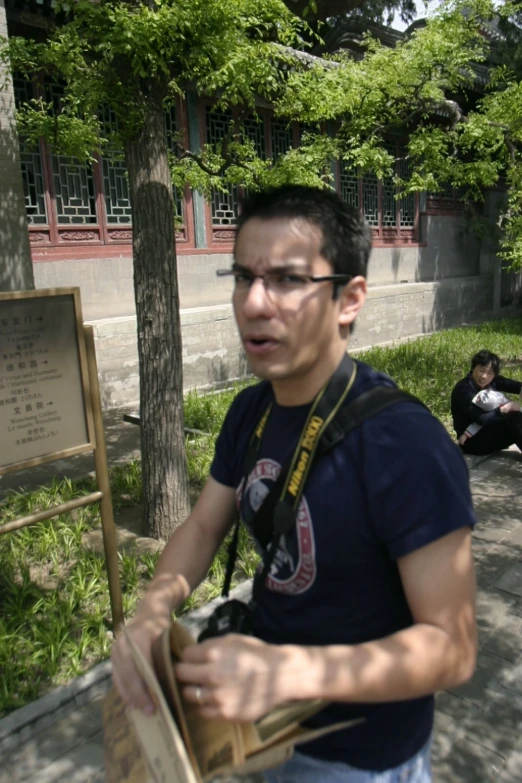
(329, 420)
(277, 513)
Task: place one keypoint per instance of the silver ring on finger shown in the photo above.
(198, 694)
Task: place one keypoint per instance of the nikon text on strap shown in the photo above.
(290, 483)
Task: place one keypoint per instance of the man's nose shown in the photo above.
(257, 301)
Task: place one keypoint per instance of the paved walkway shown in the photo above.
(478, 734)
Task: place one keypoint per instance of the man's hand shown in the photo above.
(182, 565)
(153, 615)
(144, 630)
(510, 407)
(237, 677)
(463, 438)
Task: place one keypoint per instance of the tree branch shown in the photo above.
(228, 159)
(185, 153)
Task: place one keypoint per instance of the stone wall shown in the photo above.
(446, 250)
(413, 290)
(107, 287)
(212, 352)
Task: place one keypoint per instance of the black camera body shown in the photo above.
(231, 617)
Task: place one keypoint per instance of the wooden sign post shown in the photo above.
(50, 404)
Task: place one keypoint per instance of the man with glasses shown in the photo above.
(366, 599)
(484, 419)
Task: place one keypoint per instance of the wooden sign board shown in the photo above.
(45, 405)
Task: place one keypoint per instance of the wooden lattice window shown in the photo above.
(392, 220)
(32, 166)
(73, 204)
(271, 137)
(445, 202)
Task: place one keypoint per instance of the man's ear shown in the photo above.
(351, 299)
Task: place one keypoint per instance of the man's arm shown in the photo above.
(182, 566)
(242, 678)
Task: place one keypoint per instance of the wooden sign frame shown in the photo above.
(95, 443)
(81, 358)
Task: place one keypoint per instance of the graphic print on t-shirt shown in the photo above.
(293, 570)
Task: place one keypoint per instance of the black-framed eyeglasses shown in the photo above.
(280, 282)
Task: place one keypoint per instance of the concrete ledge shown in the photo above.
(24, 723)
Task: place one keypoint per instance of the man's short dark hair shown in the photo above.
(346, 237)
(485, 359)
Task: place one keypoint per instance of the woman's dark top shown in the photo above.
(465, 412)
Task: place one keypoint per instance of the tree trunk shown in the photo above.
(16, 266)
(165, 478)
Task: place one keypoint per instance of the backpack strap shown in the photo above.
(348, 417)
(355, 412)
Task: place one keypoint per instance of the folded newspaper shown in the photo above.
(177, 745)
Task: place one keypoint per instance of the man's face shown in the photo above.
(287, 332)
(482, 375)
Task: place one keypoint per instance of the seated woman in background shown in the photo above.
(485, 420)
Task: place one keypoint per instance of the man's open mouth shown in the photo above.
(259, 344)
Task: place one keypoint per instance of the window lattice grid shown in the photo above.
(349, 183)
(33, 183)
(448, 193)
(115, 177)
(23, 90)
(73, 181)
(389, 203)
(116, 191)
(223, 204)
(406, 203)
(172, 127)
(371, 199)
(308, 128)
(31, 163)
(74, 191)
(389, 190)
(217, 124)
(446, 198)
(255, 131)
(53, 94)
(281, 136)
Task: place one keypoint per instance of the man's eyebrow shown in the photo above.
(305, 269)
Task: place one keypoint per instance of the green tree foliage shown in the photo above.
(509, 41)
(449, 89)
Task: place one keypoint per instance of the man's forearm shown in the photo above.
(183, 564)
(414, 662)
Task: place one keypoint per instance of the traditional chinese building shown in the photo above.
(70, 223)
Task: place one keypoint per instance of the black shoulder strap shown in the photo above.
(366, 405)
(349, 416)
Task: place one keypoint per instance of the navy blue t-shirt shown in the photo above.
(393, 485)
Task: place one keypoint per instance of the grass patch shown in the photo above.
(53, 590)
